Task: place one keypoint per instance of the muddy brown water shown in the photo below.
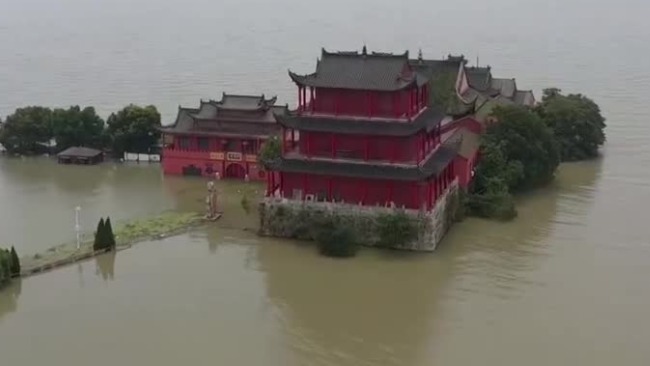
(564, 284)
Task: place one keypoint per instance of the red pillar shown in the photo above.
(369, 104)
(366, 152)
(281, 185)
(293, 138)
(390, 192)
(312, 99)
(308, 144)
(304, 185)
(392, 151)
(333, 144)
(337, 102)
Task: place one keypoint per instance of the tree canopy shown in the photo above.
(576, 122)
(271, 150)
(23, 130)
(77, 127)
(134, 129)
(518, 152)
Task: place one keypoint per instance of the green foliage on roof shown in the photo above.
(443, 93)
(576, 122)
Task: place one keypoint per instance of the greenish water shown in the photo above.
(564, 284)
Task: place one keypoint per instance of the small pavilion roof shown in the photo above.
(360, 71)
(433, 166)
(244, 102)
(502, 90)
(79, 152)
(428, 119)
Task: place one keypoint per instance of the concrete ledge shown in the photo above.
(293, 219)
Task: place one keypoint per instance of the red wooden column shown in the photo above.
(293, 138)
(366, 148)
(364, 195)
(390, 192)
(369, 104)
(307, 144)
(337, 104)
(312, 99)
(333, 144)
(304, 185)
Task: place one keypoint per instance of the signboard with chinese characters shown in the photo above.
(233, 156)
(216, 156)
(250, 158)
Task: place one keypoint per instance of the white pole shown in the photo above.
(77, 227)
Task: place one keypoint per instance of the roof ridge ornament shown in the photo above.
(364, 50)
(420, 57)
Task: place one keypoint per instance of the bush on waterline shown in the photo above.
(336, 240)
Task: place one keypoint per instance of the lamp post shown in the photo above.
(77, 227)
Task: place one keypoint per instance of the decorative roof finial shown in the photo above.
(420, 58)
(364, 50)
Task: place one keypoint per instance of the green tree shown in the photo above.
(100, 240)
(77, 127)
(528, 147)
(108, 233)
(134, 129)
(271, 151)
(518, 152)
(576, 121)
(5, 266)
(15, 263)
(23, 130)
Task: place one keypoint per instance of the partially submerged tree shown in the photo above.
(134, 129)
(25, 129)
(576, 121)
(518, 152)
(15, 263)
(77, 127)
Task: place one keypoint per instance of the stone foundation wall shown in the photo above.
(284, 218)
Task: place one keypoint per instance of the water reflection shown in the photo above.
(105, 265)
(9, 297)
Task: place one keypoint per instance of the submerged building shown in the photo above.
(375, 133)
(221, 137)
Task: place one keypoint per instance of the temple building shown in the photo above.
(221, 137)
(367, 135)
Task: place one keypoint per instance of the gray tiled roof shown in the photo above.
(77, 151)
(255, 113)
(244, 102)
(428, 119)
(432, 167)
(479, 78)
(360, 71)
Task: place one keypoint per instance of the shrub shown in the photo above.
(5, 266)
(108, 234)
(336, 240)
(499, 206)
(245, 204)
(99, 236)
(396, 230)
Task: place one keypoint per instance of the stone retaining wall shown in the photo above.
(284, 218)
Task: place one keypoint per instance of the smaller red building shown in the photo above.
(220, 137)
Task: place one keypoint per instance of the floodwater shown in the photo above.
(564, 284)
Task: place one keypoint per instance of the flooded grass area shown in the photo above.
(126, 234)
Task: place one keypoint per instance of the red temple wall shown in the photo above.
(358, 102)
(233, 163)
(463, 169)
(319, 144)
(351, 190)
